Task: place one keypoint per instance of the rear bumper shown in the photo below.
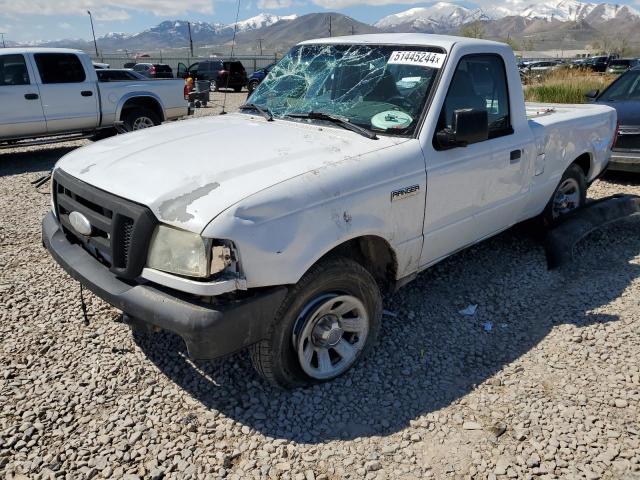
(209, 331)
(625, 161)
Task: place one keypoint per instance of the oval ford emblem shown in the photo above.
(80, 223)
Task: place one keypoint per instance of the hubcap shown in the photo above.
(332, 330)
(142, 122)
(567, 198)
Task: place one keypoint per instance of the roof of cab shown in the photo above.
(18, 50)
(417, 39)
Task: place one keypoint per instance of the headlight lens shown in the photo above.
(179, 251)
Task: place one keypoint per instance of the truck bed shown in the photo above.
(536, 110)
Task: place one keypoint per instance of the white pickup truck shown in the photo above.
(368, 159)
(53, 94)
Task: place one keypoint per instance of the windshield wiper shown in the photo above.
(344, 123)
(262, 111)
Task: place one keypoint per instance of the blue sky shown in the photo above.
(24, 20)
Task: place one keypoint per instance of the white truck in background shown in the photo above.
(53, 94)
(379, 155)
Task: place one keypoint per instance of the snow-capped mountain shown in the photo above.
(446, 15)
(440, 15)
(260, 21)
(574, 11)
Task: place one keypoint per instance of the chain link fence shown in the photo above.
(251, 63)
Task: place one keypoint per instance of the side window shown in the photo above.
(13, 70)
(59, 68)
(479, 82)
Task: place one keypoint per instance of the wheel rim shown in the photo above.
(213, 85)
(142, 122)
(566, 198)
(333, 330)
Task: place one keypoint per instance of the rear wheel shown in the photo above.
(252, 85)
(570, 194)
(327, 322)
(140, 118)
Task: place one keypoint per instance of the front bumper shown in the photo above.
(625, 161)
(209, 331)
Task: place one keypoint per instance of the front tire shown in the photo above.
(569, 195)
(328, 321)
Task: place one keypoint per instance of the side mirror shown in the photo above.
(592, 94)
(469, 126)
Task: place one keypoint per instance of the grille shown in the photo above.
(120, 229)
(127, 230)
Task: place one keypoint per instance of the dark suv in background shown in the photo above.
(153, 70)
(258, 76)
(221, 73)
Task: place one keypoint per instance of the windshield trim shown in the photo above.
(427, 101)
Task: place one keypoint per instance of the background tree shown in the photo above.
(472, 30)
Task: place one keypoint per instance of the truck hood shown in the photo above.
(188, 172)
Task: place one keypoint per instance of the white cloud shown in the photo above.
(105, 9)
(337, 4)
(273, 4)
(64, 25)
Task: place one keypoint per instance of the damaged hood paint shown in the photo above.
(189, 172)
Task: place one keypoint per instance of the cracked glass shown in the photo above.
(357, 83)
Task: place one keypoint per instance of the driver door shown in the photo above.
(181, 72)
(477, 190)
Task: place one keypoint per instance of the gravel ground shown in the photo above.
(543, 381)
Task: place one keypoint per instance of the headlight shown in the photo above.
(179, 251)
(185, 253)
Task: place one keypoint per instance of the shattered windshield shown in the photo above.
(378, 87)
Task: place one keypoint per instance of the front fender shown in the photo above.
(283, 230)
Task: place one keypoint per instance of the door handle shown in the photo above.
(31, 96)
(86, 93)
(515, 155)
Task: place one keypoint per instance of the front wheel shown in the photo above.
(570, 194)
(327, 322)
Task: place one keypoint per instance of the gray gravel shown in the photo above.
(552, 390)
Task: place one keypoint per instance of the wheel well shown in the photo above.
(145, 102)
(584, 162)
(373, 253)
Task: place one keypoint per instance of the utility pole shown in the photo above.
(353, 31)
(3, 45)
(260, 43)
(330, 25)
(95, 44)
(190, 39)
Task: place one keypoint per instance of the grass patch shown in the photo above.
(566, 86)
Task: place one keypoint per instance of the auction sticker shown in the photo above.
(422, 59)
